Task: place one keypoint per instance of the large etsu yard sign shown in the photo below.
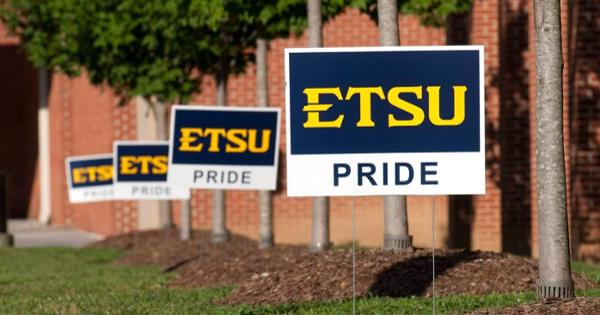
(380, 121)
(224, 147)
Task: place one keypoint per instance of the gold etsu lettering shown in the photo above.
(143, 164)
(91, 174)
(237, 140)
(314, 108)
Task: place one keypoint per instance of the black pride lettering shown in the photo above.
(402, 173)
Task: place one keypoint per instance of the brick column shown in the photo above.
(516, 65)
(486, 226)
(585, 129)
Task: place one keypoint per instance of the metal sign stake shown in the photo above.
(433, 250)
(353, 258)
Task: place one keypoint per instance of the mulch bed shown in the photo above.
(292, 274)
(163, 248)
(158, 248)
(328, 276)
(580, 306)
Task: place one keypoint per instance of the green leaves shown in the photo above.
(163, 48)
(434, 12)
(430, 12)
(152, 48)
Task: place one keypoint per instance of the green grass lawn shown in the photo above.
(69, 281)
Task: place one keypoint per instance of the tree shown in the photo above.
(265, 209)
(385, 12)
(229, 36)
(395, 216)
(159, 50)
(554, 264)
(272, 19)
(276, 19)
(135, 49)
(430, 12)
(320, 210)
(74, 51)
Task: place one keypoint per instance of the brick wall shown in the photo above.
(86, 119)
(486, 220)
(585, 128)
(6, 39)
(532, 134)
(514, 128)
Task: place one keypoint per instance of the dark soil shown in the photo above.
(580, 306)
(292, 274)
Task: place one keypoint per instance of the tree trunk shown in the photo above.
(315, 24)
(554, 264)
(387, 14)
(395, 220)
(160, 112)
(185, 230)
(320, 212)
(265, 209)
(220, 233)
(395, 217)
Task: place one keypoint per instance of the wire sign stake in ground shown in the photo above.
(353, 257)
(433, 253)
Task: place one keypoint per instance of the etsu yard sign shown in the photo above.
(141, 171)
(381, 121)
(90, 178)
(224, 147)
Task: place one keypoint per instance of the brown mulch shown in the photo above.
(292, 274)
(328, 276)
(580, 306)
(163, 248)
(157, 247)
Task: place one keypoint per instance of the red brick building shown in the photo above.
(86, 120)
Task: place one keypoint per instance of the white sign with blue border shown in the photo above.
(140, 171)
(90, 178)
(215, 147)
(385, 121)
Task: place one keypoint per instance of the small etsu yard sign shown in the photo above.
(90, 178)
(383, 121)
(141, 171)
(224, 147)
